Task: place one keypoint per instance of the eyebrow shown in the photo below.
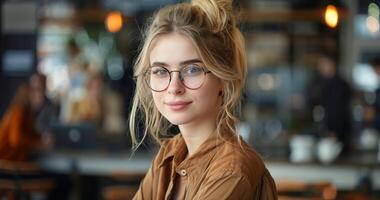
(186, 62)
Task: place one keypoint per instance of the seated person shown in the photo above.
(18, 134)
(20, 139)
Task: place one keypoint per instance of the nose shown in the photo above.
(175, 85)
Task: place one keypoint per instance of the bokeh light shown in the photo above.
(331, 16)
(114, 21)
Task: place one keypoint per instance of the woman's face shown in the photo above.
(177, 103)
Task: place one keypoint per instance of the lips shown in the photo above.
(178, 105)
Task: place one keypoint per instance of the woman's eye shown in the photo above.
(159, 72)
(192, 70)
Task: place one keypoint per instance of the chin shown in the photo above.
(176, 118)
(177, 121)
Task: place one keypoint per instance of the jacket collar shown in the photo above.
(177, 149)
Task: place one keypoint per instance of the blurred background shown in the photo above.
(311, 104)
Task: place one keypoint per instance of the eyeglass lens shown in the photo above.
(158, 78)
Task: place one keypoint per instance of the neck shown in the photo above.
(195, 135)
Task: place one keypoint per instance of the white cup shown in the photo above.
(328, 149)
(368, 138)
(302, 148)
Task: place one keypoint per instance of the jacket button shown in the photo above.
(183, 172)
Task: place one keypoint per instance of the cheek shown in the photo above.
(157, 99)
(214, 95)
(212, 90)
(210, 98)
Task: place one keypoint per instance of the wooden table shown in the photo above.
(95, 163)
(344, 173)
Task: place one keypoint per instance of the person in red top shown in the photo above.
(18, 135)
(20, 138)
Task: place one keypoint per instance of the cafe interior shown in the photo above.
(310, 106)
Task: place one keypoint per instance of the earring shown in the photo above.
(220, 93)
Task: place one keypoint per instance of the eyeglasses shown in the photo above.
(158, 78)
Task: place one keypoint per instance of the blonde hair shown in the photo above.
(211, 26)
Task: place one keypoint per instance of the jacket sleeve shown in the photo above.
(267, 189)
(153, 183)
(145, 190)
(236, 186)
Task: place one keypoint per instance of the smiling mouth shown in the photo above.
(177, 106)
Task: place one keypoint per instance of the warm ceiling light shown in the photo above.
(331, 16)
(114, 21)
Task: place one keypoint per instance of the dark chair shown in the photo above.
(19, 180)
(125, 186)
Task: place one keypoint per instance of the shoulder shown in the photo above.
(167, 148)
(167, 145)
(239, 160)
(239, 156)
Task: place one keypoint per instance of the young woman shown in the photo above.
(190, 73)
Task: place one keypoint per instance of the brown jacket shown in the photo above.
(219, 169)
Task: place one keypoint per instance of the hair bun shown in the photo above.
(218, 12)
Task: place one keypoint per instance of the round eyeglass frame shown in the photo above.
(146, 74)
